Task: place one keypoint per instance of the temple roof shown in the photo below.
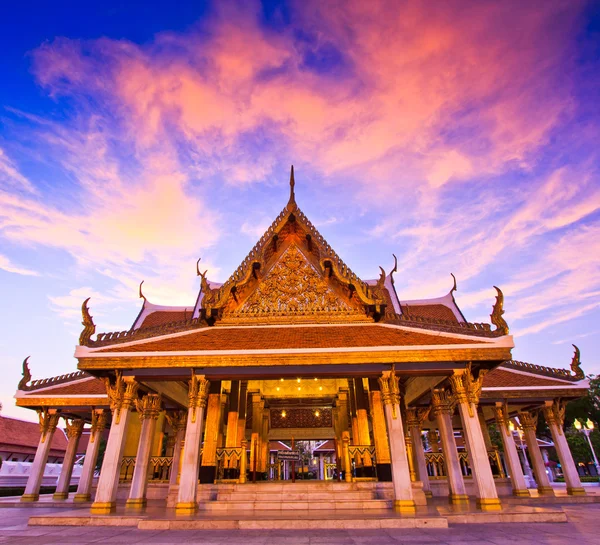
(19, 434)
(292, 275)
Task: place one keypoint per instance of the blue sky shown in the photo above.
(137, 137)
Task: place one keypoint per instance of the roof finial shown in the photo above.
(292, 184)
(454, 288)
(497, 312)
(142, 296)
(26, 375)
(89, 328)
(198, 273)
(576, 365)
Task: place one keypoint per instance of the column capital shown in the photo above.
(149, 406)
(554, 413)
(74, 427)
(466, 388)
(528, 420)
(415, 416)
(390, 388)
(197, 393)
(99, 418)
(122, 394)
(442, 402)
(48, 421)
(502, 418)
(176, 419)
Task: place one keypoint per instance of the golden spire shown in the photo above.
(292, 201)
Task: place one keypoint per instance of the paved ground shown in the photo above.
(583, 529)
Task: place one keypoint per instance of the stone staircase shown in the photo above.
(302, 495)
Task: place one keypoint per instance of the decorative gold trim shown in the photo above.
(122, 394)
(89, 328)
(555, 414)
(99, 418)
(466, 388)
(48, 422)
(528, 420)
(576, 365)
(31, 401)
(497, 312)
(416, 416)
(442, 402)
(26, 375)
(176, 419)
(390, 390)
(502, 418)
(133, 361)
(149, 407)
(197, 393)
(74, 427)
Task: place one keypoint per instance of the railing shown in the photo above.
(362, 459)
(159, 468)
(436, 466)
(229, 462)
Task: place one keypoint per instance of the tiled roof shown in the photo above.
(27, 434)
(436, 312)
(500, 378)
(165, 317)
(327, 446)
(266, 338)
(92, 386)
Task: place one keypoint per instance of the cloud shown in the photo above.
(8, 266)
(441, 121)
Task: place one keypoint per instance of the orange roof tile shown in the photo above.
(161, 317)
(265, 338)
(91, 386)
(436, 312)
(500, 378)
(19, 433)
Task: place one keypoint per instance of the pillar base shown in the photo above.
(60, 496)
(545, 491)
(82, 498)
(135, 503)
(103, 508)
(30, 497)
(186, 508)
(489, 504)
(521, 493)
(576, 491)
(405, 506)
(458, 499)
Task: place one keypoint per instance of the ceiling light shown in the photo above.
(283, 414)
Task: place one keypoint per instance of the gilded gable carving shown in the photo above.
(293, 287)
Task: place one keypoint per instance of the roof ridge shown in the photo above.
(53, 381)
(449, 326)
(539, 370)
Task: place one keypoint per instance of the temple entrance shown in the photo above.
(302, 461)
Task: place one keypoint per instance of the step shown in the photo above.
(235, 506)
(342, 495)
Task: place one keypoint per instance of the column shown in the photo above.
(466, 391)
(256, 455)
(382, 446)
(74, 429)
(442, 409)
(242, 408)
(148, 409)
(362, 419)
(403, 494)
(554, 412)
(342, 426)
(353, 416)
(84, 487)
(231, 439)
(414, 421)
(122, 395)
(517, 478)
(264, 443)
(48, 422)
(208, 469)
(188, 483)
(177, 421)
(528, 422)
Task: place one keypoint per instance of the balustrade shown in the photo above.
(229, 461)
(436, 468)
(160, 468)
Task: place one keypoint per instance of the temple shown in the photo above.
(296, 370)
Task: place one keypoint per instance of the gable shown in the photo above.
(294, 288)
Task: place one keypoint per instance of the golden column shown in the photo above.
(48, 422)
(414, 421)
(74, 429)
(122, 395)
(554, 413)
(403, 493)
(211, 434)
(442, 409)
(188, 483)
(382, 446)
(466, 391)
(148, 409)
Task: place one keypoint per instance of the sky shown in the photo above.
(137, 137)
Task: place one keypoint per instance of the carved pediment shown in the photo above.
(293, 287)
